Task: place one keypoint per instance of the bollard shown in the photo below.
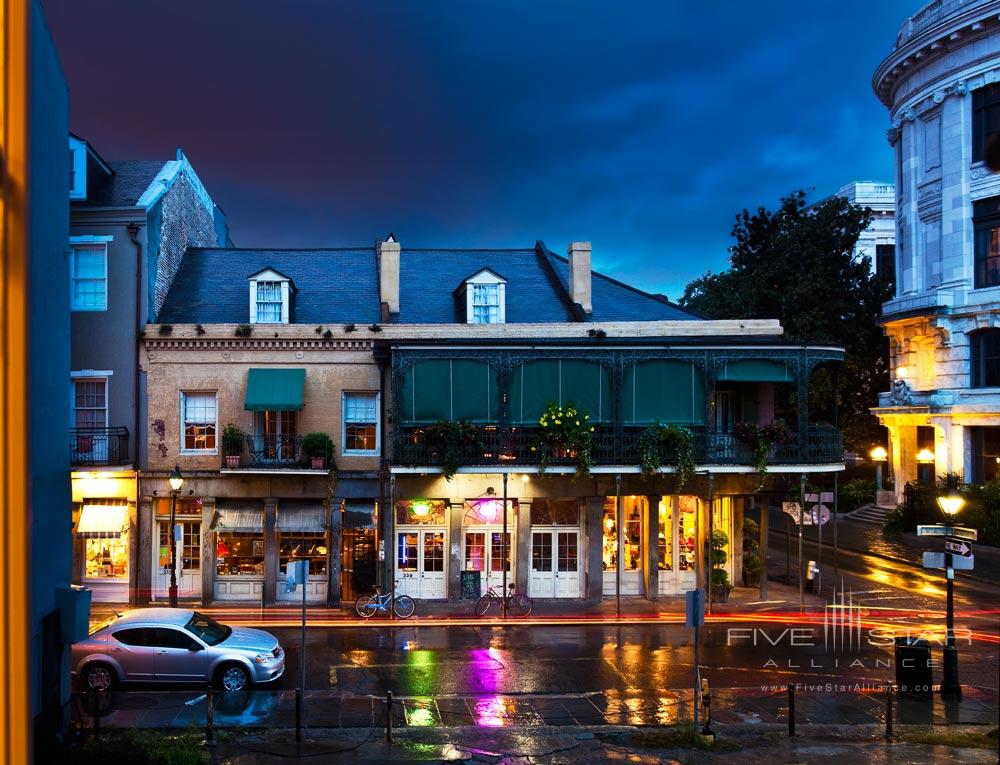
(888, 712)
(388, 717)
(298, 714)
(209, 716)
(96, 701)
(791, 710)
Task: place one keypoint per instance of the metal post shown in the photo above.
(697, 674)
(802, 513)
(836, 513)
(765, 520)
(209, 715)
(504, 553)
(791, 710)
(388, 717)
(172, 589)
(390, 546)
(878, 478)
(618, 553)
(298, 714)
(819, 555)
(708, 542)
(788, 549)
(304, 569)
(949, 681)
(888, 712)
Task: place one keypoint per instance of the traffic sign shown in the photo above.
(940, 530)
(936, 560)
(694, 612)
(823, 496)
(957, 547)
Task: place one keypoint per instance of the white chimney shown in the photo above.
(579, 275)
(388, 274)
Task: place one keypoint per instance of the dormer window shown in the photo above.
(270, 293)
(484, 298)
(77, 168)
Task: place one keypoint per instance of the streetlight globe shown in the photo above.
(951, 503)
(925, 456)
(879, 454)
(176, 479)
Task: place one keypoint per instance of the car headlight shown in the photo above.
(264, 658)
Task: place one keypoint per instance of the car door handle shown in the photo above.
(162, 653)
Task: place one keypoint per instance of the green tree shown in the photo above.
(796, 264)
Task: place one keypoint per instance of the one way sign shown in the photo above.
(957, 547)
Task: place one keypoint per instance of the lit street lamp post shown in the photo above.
(176, 483)
(950, 503)
(879, 456)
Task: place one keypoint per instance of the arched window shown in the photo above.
(985, 358)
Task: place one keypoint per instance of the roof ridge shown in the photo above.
(280, 249)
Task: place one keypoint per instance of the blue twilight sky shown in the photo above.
(641, 126)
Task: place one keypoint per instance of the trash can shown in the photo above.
(914, 674)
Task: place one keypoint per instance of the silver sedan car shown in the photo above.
(176, 645)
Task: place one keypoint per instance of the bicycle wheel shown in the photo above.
(364, 606)
(403, 606)
(520, 605)
(483, 605)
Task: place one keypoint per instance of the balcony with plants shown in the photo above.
(312, 452)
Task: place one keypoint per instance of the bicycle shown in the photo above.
(516, 603)
(368, 605)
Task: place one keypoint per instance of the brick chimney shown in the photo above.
(388, 276)
(579, 275)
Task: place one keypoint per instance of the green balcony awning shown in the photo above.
(756, 370)
(274, 390)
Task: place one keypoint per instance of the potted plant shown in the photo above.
(233, 438)
(450, 440)
(651, 443)
(751, 552)
(564, 433)
(720, 577)
(317, 448)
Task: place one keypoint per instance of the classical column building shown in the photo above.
(941, 84)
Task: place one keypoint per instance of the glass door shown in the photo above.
(188, 561)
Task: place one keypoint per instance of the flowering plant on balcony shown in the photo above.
(451, 439)
(651, 443)
(761, 440)
(564, 431)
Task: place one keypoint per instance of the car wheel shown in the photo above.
(99, 677)
(232, 677)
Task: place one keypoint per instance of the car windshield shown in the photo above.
(208, 629)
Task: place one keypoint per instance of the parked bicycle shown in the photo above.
(515, 603)
(369, 605)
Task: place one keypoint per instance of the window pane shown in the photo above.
(406, 558)
(239, 553)
(541, 552)
(433, 552)
(269, 302)
(309, 545)
(475, 551)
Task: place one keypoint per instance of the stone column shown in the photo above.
(334, 554)
(207, 551)
(523, 546)
(454, 520)
(593, 534)
(270, 550)
(903, 439)
(143, 544)
(651, 533)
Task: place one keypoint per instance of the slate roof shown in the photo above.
(212, 285)
(123, 189)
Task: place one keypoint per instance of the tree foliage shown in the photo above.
(796, 264)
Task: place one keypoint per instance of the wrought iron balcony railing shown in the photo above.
(275, 452)
(495, 446)
(98, 446)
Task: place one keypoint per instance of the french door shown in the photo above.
(188, 561)
(420, 568)
(484, 552)
(555, 564)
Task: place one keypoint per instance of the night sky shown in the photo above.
(641, 126)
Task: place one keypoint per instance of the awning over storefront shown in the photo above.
(274, 390)
(359, 514)
(238, 516)
(756, 370)
(102, 521)
(301, 516)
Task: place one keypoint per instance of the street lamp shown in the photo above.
(925, 457)
(176, 484)
(951, 503)
(879, 455)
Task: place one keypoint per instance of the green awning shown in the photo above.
(535, 384)
(664, 391)
(274, 390)
(756, 370)
(447, 389)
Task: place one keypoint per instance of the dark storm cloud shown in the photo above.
(643, 127)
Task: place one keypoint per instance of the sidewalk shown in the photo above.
(742, 600)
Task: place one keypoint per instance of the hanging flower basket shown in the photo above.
(762, 440)
(450, 440)
(655, 438)
(565, 433)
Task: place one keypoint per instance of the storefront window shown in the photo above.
(665, 534)
(426, 512)
(687, 542)
(303, 544)
(188, 550)
(722, 514)
(556, 512)
(107, 558)
(239, 553)
(632, 541)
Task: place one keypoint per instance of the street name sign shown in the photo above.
(940, 530)
(936, 560)
(957, 547)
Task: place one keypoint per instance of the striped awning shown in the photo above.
(238, 516)
(301, 516)
(102, 521)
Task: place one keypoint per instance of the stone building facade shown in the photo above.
(941, 85)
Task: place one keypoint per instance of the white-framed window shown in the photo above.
(361, 425)
(485, 295)
(88, 271)
(269, 295)
(199, 421)
(90, 402)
